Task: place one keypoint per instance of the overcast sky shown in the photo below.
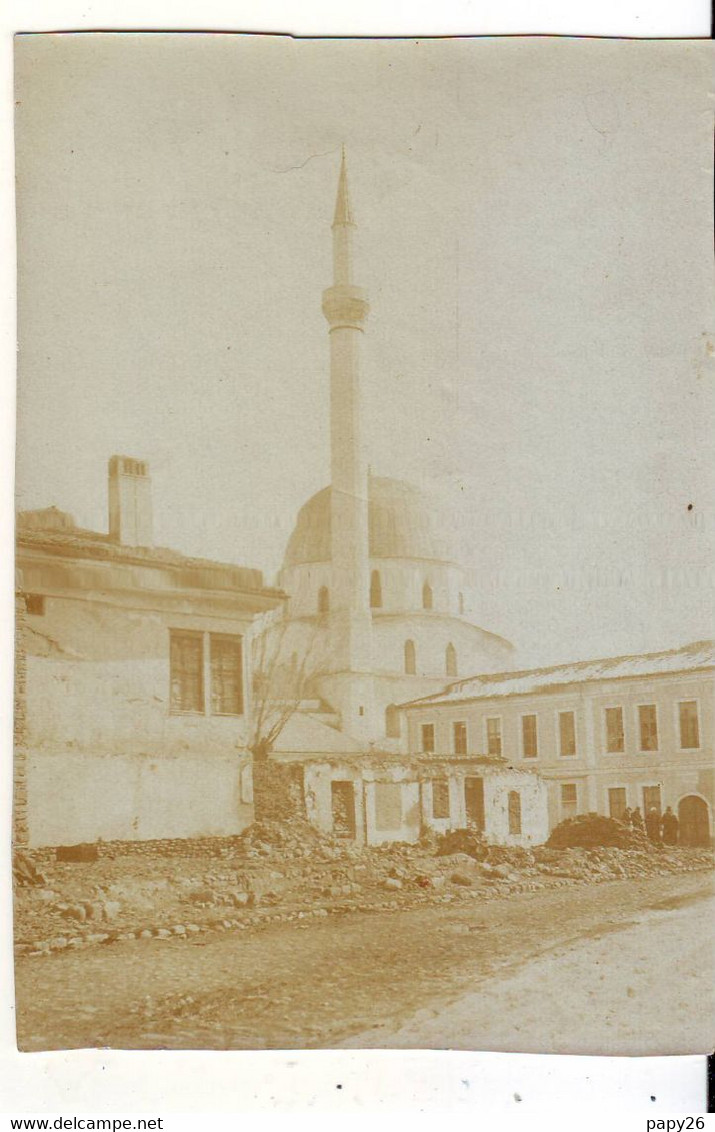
(535, 228)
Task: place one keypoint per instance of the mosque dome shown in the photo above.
(403, 523)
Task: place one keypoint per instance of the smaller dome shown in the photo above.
(403, 523)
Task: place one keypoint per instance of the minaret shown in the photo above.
(345, 307)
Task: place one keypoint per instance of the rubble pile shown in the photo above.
(282, 872)
(289, 840)
(587, 831)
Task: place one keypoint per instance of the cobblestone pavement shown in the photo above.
(318, 984)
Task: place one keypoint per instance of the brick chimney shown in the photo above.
(130, 510)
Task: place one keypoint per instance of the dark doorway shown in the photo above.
(694, 821)
(474, 802)
(343, 807)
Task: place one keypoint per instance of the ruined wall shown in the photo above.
(395, 803)
(533, 798)
(278, 791)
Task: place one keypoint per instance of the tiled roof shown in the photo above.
(59, 536)
(699, 655)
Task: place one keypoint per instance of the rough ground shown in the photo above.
(323, 982)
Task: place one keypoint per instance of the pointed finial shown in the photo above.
(343, 212)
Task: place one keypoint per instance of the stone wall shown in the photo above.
(278, 791)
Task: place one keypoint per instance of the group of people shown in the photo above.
(659, 827)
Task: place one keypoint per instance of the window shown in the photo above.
(514, 811)
(459, 731)
(375, 590)
(410, 658)
(615, 737)
(392, 722)
(187, 672)
(323, 600)
(569, 800)
(187, 655)
(617, 802)
(494, 735)
(529, 738)
(648, 725)
(451, 660)
(427, 596)
(35, 604)
(651, 799)
(428, 737)
(689, 726)
(226, 675)
(440, 798)
(567, 733)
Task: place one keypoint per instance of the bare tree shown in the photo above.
(284, 670)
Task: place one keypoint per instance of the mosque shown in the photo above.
(370, 567)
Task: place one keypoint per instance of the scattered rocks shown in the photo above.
(461, 879)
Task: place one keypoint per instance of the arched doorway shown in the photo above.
(694, 821)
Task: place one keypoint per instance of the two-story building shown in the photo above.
(133, 679)
(633, 731)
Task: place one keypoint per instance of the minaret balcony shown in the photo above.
(345, 306)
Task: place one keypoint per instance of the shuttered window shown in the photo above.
(428, 738)
(198, 658)
(689, 729)
(567, 733)
(226, 675)
(494, 735)
(569, 799)
(615, 738)
(529, 736)
(460, 738)
(187, 672)
(648, 723)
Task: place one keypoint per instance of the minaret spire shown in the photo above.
(343, 212)
(343, 228)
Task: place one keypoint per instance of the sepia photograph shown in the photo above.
(364, 610)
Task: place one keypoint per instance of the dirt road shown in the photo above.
(620, 967)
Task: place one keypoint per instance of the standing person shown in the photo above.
(652, 825)
(627, 817)
(669, 824)
(637, 819)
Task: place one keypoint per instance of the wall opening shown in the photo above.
(474, 801)
(440, 798)
(342, 800)
(427, 596)
(514, 809)
(410, 658)
(451, 660)
(323, 600)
